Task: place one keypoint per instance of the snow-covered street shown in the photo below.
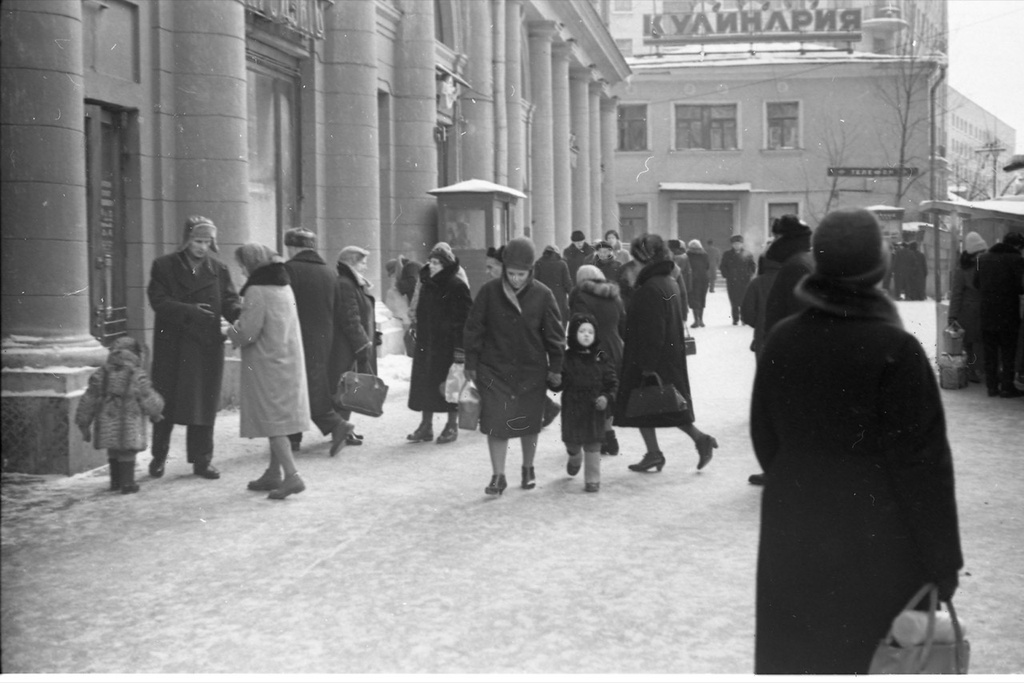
(394, 561)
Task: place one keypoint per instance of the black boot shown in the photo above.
(649, 462)
(128, 484)
(611, 444)
(529, 478)
(115, 474)
(156, 466)
(497, 485)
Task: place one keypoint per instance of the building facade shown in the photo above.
(978, 145)
(263, 115)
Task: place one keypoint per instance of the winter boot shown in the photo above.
(115, 474)
(291, 484)
(529, 478)
(270, 480)
(611, 443)
(128, 484)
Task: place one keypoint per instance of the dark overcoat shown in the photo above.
(318, 302)
(916, 272)
(737, 268)
(794, 253)
(965, 299)
(512, 340)
(609, 267)
(188, 345)
(858, 509)
(654, 343)
(443, 306)
(355, 326)
(700, 267)
(752, 310)
(551, 270)
(998, 278)
(601, 301)
(576, 257)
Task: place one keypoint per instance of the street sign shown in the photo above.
(871, 172)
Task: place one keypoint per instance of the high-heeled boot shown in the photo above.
(497, 485)
(529, 478)
(649, 461)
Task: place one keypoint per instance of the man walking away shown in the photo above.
(714, 261)
(999, 278)
(737, 268)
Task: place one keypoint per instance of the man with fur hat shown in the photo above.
(190, 291)
(576, 254)
(737, 268)
(315, 285)
(605, 260)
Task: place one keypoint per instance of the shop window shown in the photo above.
(632, 127)
(783, 125)
(706, 126)
(632, 221)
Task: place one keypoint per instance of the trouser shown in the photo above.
(1000, 347)
(198, 442)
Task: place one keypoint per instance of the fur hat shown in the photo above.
(519, 254)
(789, 225)
(352, 255)
(848, 245)
(675, 245)
(442, 251)
(495, 254)
(603, 244)
(974, 243)
(589, 272)
(694, 244)
(734, 238)
(300, 237)
(1014, 239)
(578, 236)
(197, 227)
(254, 255)
(648, 248)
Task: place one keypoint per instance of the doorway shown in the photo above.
(704, 221)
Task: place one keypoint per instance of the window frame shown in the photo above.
(619, 128)
(707, 122)
(798, 129)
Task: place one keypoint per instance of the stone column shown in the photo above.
(351, 178)
(514, 104)
(541, 136)
(561, 126)
(579, 84)
(414, 230)
(500, 101)
(609, 131)
(476, 139)
(598, 227)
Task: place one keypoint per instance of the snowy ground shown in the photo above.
(395, 562)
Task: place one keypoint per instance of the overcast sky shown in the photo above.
(986, 57)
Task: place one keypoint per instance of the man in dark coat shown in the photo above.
(916, 272)
(553, 272)
(190, 291)
(737, 268)
(315, 286)
(714, 262)
(998, 278)
(605, 261)
(576, 253)
(859, 508)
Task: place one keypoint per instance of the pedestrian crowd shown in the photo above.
(858, 505)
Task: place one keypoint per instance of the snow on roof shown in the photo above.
(478, 186)
(704, 187)
(747, 54)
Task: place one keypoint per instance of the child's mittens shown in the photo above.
(601, 402)
(156, 418)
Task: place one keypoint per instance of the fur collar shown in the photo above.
(599, 288)
(654, 269)
(346, 271)
(274, 274)
(443, 276)
(783, 248)
(1000, 248)
(847, 301)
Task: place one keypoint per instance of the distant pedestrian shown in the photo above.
(576, 253)
(714, 263)
(604, 259)
(115, 408)
(190, 291)
(514, 344)
(999, 278)
(752, 311)
(356, 338)
(492, 261)
(552, 270)
(700, 265)
(916, 272)
(858, 510)
(654, 345)
(402, 275)
(619, 251)
(273, 393)
(682, 262)
(901, 269)
(318, 304)
(443, 306)
(965, 304)
(737, 268)
(588, 389)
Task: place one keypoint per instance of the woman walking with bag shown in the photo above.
(654, 346)
(356, 336)
(702, 275)
(442, 308)
(514, 343)
(858, 510)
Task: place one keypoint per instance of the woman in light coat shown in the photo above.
(273, 393)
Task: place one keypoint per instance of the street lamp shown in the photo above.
(994, 149)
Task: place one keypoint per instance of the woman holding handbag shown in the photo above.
(655, 351)
(355, 335)
(858, 510)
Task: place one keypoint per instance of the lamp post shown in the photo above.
(994, 149)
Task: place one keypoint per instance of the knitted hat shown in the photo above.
(848, 246)
(519, 254)
(603, 244)
(198, 227)
(648, 249)
(974, 243)
(736, 238)
(789, 225)
(442, 251)
(694, 244)
(589, 272)
(578, 236)
(300, 237)
(253, 255)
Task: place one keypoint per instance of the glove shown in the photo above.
(554, 379)
(601, 403)
(471, 375)
(459, 357)
(947, 586)
(378, 338)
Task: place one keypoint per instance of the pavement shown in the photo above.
(394, 562)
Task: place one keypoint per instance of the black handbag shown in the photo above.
(361, 392)
(655, 399)
(689, 341)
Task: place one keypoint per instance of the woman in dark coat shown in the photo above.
(552, 270)
(595, 296)
(190, 291)
(514, 343)
(965, 304)
(355, 332)
(858, 510)
(700, 266)
(654, 344)
(443, 305)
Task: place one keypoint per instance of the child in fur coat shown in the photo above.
(589, 384)
(113, 411)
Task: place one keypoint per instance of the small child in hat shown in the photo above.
(112, 413)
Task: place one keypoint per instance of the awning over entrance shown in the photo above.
(1007, 209)
(477, 186)
(703, 187)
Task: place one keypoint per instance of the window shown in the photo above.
(706, 127)
(783, 125)
(632, 221)
(632, 127)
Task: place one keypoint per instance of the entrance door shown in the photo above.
(104, 131)
(704, 221)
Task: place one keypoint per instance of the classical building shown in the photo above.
(121, 118)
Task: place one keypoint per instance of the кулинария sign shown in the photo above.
(741, 26)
